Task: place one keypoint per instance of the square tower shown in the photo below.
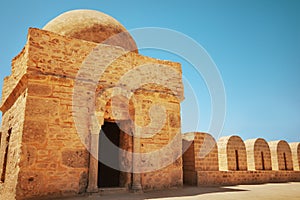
(66, 97)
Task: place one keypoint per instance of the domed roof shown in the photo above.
(92, 25)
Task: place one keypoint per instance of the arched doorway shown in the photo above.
(108, 176)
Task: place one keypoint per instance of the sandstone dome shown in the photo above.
(92, 25)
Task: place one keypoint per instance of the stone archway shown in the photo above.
(121, 119)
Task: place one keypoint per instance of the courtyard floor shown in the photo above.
(272, 191)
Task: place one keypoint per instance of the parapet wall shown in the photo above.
(210, 178)
(251, 162)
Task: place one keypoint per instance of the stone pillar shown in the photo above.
(136, 177)
(93, 168)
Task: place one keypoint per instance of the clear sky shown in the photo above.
(255, 45)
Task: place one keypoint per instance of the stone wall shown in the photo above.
(212, 178)
(259, 167)
(232, 153)
(258, 154)
(54, 160)
(51, 148)
(295, 148)
(10, 147)
(19, 67)
(281, 155)
(200, 154)
(160, 148)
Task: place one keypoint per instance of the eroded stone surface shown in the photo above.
(75, 158)
(38, 104)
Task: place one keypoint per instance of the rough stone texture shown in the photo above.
(92, 26)
(44, 143)
(258, 154)
(281, 155)
(75, 158)
(170, 175)
(228, 146)
(295, 148)
(126, 160)
(200, 154)
(52, 160)
(13, 120)
(256, 175)
(206, 178)
(204, 148)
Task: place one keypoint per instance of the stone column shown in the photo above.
(136, 177)
(93, 168)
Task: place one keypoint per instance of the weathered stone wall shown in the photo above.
(295, 148)
(163, 144)
(126, 143)
(188, 159)
(19, 66)
(51, 148)
(206, 178)
(200, 154)
(54, 161)
(188, 150)
(258, 154)
(281, 155)
(12, 122)
(232, 153)
(256, 174)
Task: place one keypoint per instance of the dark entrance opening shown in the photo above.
(5, 156)
(262, 161)
(107, 176)
(237, 160)
(284, 159)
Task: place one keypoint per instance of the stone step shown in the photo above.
(115, 190)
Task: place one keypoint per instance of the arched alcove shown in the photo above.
(258, 154)
(232, 153)
(281, 155)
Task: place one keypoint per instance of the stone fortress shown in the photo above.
(42, 153)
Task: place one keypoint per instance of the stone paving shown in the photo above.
(274, 191)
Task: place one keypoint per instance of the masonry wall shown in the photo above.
(188, 159)
(256, 173)
(53, 157)
(10, 83)
(200, 154)
(51, 148)
(12, 121)
(164, 146)
(211, 178)
(232, 153)
(295, 148)
(258, 154)
(281, 155)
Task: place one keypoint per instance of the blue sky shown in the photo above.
(255, 45)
